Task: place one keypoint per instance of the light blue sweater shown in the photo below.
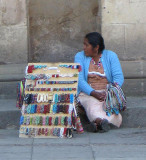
(111, 65)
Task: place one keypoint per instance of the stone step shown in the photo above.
(10, 75)
(131, 87)
(135, 79)
(133, 117)
(9, 114)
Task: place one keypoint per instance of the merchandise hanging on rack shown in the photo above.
(48, 101)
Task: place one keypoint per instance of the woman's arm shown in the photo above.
(116, 70)
(98, 95)
(82, 83)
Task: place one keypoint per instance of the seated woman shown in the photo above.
(99, 67)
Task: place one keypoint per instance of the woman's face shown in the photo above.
(88, 49)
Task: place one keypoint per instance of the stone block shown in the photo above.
(125, 151)
(8, 90)
(138, 121)
(56, 33)
(13, 44)
(8, 152)
(134, 87)
(64, 152)
(76, 140)
(123, 12)
(121, 136)
(144, 86)
(8, 105)
(134, 115)
(114, 36)
(134, 69)
(0, 16)
(136, 1)
(12, 72)
(135, 42)
(144, 68)
(9, 119)
(13, 12)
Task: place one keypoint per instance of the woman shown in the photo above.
(99, 67)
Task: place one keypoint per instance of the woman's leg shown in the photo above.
(94, 110)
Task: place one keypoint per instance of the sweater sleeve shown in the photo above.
(82, 83)
(116, 69)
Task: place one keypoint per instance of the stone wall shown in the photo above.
(124, 30)
(57, 28)
(13, 45)
(54, 31)
(13, 31)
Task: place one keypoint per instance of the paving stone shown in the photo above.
(81, 152)
(122, 136)
(76, 140)
(117, 144)
(120, 152)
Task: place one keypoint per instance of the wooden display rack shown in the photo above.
(53, 85)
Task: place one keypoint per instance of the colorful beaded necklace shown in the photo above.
(98, 63)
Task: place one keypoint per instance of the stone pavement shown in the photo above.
(117, 144)
(128, 142)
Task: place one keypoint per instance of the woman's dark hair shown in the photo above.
(94, 38)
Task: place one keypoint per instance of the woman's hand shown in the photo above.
(98, 95)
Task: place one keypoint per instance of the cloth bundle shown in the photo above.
(20, 93)
(115, 100)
